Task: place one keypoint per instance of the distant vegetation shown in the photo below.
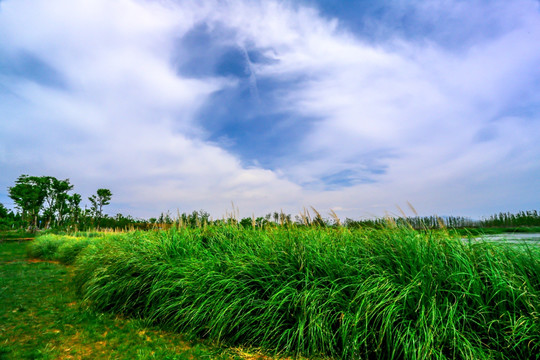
(502, 220)
(44, 202)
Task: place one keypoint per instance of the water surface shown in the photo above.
(515, 238)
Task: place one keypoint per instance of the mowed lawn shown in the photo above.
(41, 318)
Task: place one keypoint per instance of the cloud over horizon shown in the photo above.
(275, 104)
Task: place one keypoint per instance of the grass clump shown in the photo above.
(394, 293)
(62, 248)
(45, 247)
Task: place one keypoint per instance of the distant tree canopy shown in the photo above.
(28, 194)
(45, 201)
(102, 198)
(4, 213)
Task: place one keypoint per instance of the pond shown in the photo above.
(516, 238)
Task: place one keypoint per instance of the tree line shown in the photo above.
(45, 202)
(315, 219)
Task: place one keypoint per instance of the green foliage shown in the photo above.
(56, 199)
(529, 218)
(385, 294)
(62, 248)
(194, 220)
(522, 218)
(3, 211)
(45, 247)
(41, 318)
(68, 251)
(46, 196)
(17, 234)
(246, 222)
(102, 198)
(28, 194)
(8, 220)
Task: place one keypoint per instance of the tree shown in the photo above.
(102, 198)
(33, 194)
(56, 199)
(3, 211)
(74, 210)
(29, 194)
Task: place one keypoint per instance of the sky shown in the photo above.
(353, 106)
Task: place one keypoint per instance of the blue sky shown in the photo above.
(355, 106)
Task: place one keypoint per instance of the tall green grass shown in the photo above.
(352, 294)
(62, 248)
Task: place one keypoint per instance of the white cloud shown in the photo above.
(434, 117)
(124, 119)
(416, 107)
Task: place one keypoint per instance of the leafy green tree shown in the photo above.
(29, 194)
(46, 194)
(74, 209)
(261, 222)
(56, 200)
(246, 222)
(102, 198)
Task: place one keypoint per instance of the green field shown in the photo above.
(338, 293)
(42, 318)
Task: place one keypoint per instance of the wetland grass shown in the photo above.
(394, 293)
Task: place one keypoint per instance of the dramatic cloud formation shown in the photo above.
(275, 105)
